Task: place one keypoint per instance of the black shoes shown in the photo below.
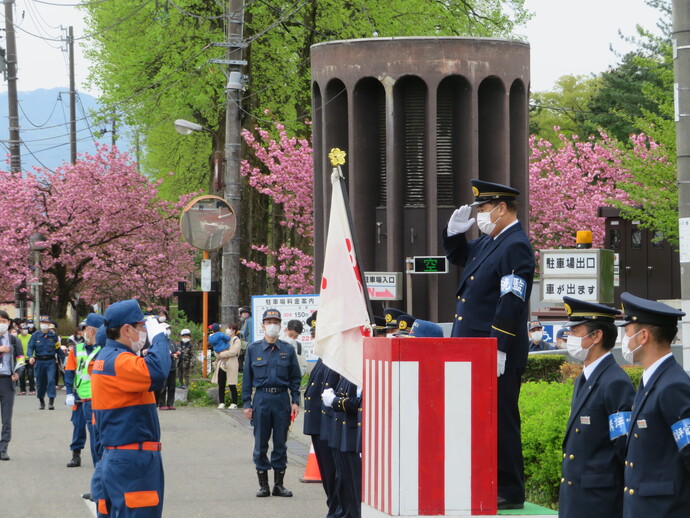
(50, 403)
(76, 459)
(4, 456)
(87, 496)
(43, 404)
(263, 483)
(505, 504)
(278, 488)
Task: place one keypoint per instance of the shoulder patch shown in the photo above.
(515, 285)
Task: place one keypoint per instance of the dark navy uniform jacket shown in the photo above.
(657, 474)
(43, 344)
(312, 399)
(270, 365)
(481, 311)
(330, 380)
(592, 469)
(347, 407)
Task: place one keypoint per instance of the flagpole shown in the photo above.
(355, 244)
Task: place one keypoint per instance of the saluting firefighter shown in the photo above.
(657, 457)
(492, 301)
(128, 481)
(594, 442)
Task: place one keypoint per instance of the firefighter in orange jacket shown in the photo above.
(130, 479)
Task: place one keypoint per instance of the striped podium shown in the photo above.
(429, 427)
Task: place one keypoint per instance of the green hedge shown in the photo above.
(544, 409)
(544, 367)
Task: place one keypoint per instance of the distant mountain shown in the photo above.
(44, 123)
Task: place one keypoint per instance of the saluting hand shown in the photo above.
(460, 221)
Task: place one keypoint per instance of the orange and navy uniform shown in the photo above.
(122, 390)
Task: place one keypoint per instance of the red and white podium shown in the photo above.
(429, 429)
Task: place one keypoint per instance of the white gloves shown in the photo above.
(328, 396)
(501, 356)
(154, 327)
(460, 221)
(69, 400)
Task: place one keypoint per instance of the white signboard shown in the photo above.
(291, 307)
(581, 288)
(384, 285)
(684, 235)
(205, 275)
(576, 263)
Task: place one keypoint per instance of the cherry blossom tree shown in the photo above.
(108, 234)
(568, 184)
(285, 176)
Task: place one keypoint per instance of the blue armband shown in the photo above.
(619, 424)
(513, 284)
(681, 433)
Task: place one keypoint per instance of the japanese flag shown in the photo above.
(342, 308)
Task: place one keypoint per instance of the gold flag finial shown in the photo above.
(337, 157)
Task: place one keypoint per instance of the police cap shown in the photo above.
(405, 322)
(580, 311)
(487, 191)
(271, 313)
(311, 321)
(391, 315)
(563, 333)
(637, 310)
(426, 329)
(123, 312)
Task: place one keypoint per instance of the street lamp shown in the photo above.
(185, 127)
(37, 243)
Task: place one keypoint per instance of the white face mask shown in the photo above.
(484, 221)
(272, 330)
(44, 328)
(537, 336)
(25, 331)
(625, 347)
(136, 346)
(228, 332)
(4, 328)
(574, 345)
(185, 340)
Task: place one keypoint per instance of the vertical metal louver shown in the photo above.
(381, 112)
(445, 132)
(414, 109)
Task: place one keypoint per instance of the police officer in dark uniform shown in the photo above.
(405, 323)
(271, 368)
(346, 442)
(594, 442)
(492, 301)
(318, 379)
(657, 458)
(42, 350)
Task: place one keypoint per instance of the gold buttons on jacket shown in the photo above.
(472, 278)
(625, 489)
(459, 318)
(570, 483)
(635, 436)
(564, 455)
(572, 456)
(562, 480)
(463, 300)
(631, 492)
(626, 462)
(577, 430)
(631, 464)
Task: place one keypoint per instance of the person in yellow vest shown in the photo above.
(78, 385)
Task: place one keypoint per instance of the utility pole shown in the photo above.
(681, 67)
(230, 284)
(13, 108)
(72, 99)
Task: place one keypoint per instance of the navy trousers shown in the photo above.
(6, 407)
(324, 458)
(45, 378)
(78, 428)
(94, 438)
(271, 420)
(511, 468)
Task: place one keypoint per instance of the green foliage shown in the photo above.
(544, 367)
(635, 373)
(544, 410)
(566, 107)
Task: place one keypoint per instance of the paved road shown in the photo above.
(206, 456)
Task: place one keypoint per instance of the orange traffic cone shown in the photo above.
(311, 472)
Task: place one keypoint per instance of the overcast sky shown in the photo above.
(566, 37)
